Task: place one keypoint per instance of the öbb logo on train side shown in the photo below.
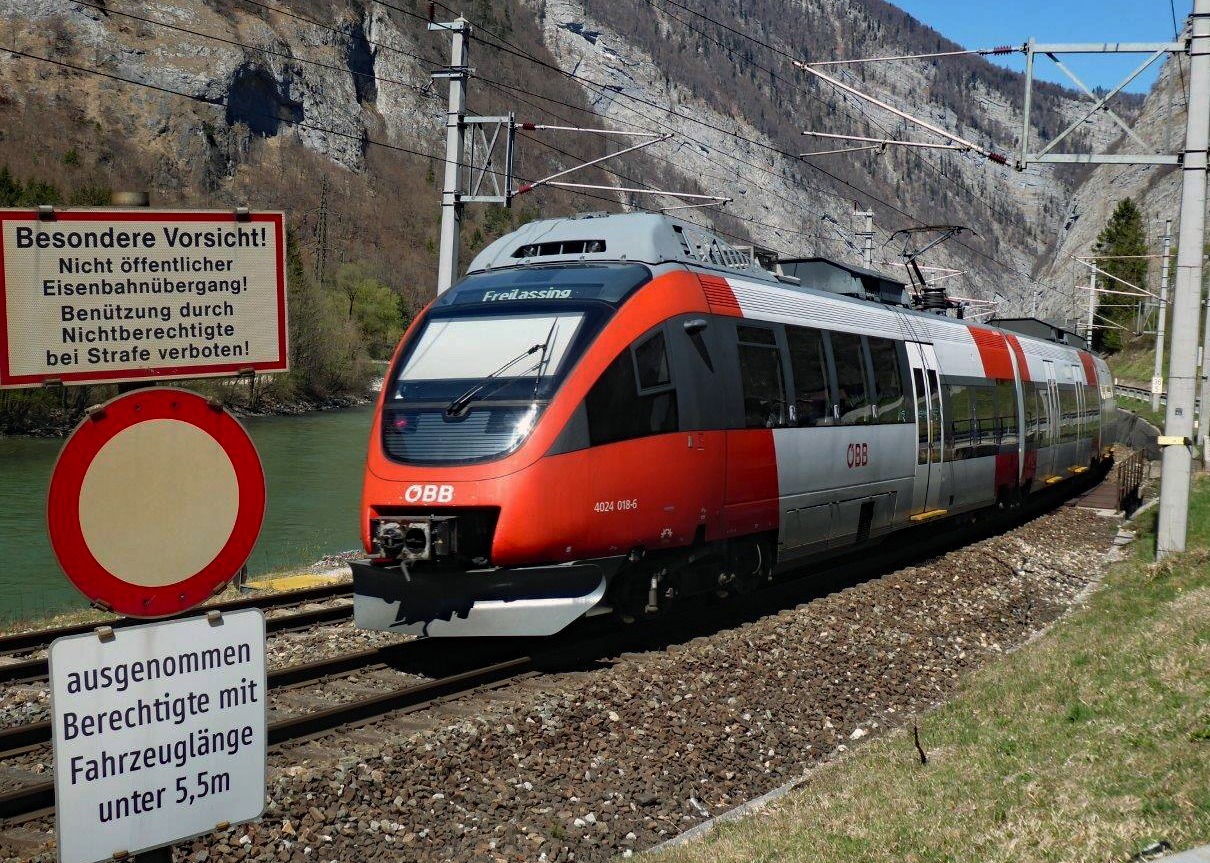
(428, 493)
(858, 455)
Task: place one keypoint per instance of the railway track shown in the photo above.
(36, 799)
(578, 648)
(29, 670)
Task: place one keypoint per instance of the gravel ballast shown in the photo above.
(608, 762)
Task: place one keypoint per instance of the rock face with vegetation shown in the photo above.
(326, 110)
(1155, 190)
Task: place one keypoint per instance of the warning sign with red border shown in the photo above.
(92, 296)
(156, 501)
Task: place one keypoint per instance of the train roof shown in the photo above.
(656, 239)
(1041, 329)
(648, 238)
(826, 274)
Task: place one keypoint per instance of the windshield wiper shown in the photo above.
(554, 327)
(456, 406)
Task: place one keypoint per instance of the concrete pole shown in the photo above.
(1204, 394)
(451, 204)
(1092, 303)
(1182, 362)
(867, 247)
(1161, 319)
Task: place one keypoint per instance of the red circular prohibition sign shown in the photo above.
(66, 529)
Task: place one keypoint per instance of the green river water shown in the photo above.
(313, 466)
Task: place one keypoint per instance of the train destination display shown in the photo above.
(104, 295)
(159, 733)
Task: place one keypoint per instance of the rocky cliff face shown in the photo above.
(1157, 190)
(279, 96)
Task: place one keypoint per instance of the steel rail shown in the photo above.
(37, 638)
(35, 800)
(29, 670)
(17, 739)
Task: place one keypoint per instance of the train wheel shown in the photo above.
(750, 564)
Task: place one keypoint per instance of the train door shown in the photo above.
(1086, 439)
(928, 490)
(1081, 423)
(1049, 443)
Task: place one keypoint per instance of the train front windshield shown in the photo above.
(492, 352)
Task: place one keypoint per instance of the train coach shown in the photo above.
(614, 412)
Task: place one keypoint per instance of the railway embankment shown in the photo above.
(616, 759)
(621, 754)
(1091, 743)
(1138, 432)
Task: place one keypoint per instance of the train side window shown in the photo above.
(764, 387)
(1073, 412)
(1092, 404)
(618, 409)
(985, 414)
(935, 411)
(962, 439)
(809, 366)
(852, 400)
(922, 423)
(1006, 397)
(888, 381)
(1030, 398)
(651, 363)
(1045, 422)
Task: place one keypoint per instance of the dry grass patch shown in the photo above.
(1091, 744)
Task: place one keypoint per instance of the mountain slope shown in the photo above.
(325, 109)
(1156, 189)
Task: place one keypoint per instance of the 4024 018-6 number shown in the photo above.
(620, 505)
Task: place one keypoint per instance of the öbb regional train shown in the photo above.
(611, 412)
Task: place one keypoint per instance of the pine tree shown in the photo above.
(1122, 238)
(10, 190)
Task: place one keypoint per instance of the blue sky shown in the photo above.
(986, 23)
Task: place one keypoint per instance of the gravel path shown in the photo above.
(595, 764)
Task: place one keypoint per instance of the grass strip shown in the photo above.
(1091, 743)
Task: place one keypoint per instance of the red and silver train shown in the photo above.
(612, 412)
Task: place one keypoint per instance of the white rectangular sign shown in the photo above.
(89, 296)
(159, 733)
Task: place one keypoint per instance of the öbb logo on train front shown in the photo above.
(858, 455)
(428, 493)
